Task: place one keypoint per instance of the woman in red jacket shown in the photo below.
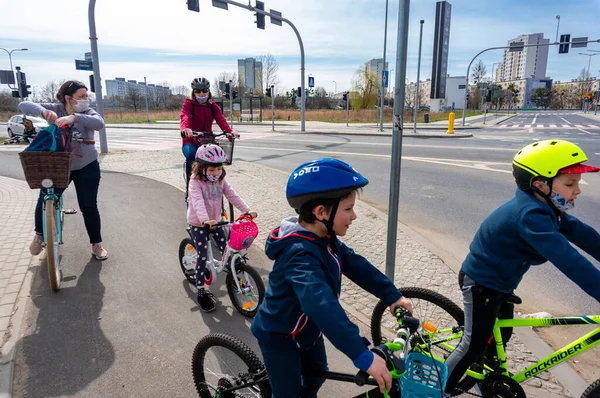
(197, 114)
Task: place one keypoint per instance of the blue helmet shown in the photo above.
(322, 179)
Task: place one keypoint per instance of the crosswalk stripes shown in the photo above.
(550, 126)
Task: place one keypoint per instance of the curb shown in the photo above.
(378, 134)
(7, 365)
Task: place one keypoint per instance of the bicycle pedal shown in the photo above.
(70, 211)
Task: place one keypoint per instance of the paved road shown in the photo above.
(125, 327)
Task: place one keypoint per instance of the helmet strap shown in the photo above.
(547, 196)
(329, 223)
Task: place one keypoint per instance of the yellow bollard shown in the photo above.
(450, 123)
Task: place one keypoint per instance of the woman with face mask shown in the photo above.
(74, 110)
(197, 114)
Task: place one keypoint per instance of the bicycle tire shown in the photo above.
(593, 390)
(259, 287)
(236, 346)
(183, 248)
(442, 302)
(52, 244)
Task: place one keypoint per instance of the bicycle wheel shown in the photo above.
(251, 286)
(221, 361)
(593, 391)
(187, 260)
(428, 306)
(52, 243)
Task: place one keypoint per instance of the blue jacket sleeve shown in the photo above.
(581, 235)
(321, 305)
(367, 276)
(539, 230)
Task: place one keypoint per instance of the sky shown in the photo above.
(163, 41)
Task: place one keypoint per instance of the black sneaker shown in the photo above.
(206, 301)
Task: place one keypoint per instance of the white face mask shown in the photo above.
(82, 106)
(202, 100)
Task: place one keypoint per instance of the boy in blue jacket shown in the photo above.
(302, 299)
(530, 229)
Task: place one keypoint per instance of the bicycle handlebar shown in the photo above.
(209, 134)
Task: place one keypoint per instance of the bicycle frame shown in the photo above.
(567, 352)
(58, 204)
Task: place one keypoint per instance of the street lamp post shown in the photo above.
(417, 83)
(10, 59)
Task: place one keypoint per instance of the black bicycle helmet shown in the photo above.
(200, 83)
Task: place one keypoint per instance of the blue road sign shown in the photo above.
(311, 81)
(385, 78)
(251, 91)
(83, 65)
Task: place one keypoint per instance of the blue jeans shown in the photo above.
(87, 181)
(284, 362)
(189, 151)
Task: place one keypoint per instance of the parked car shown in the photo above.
(16, 124)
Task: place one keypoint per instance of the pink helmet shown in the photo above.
(211, 154)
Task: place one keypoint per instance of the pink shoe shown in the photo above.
(99, 252)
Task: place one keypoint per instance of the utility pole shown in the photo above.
(272, 108)
(231, 102)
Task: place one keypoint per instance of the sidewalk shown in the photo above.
(263, 188)
(590, 115)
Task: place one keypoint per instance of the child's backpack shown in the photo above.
(51, 139)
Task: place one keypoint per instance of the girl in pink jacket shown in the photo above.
(206, 190)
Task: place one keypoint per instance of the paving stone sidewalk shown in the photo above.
(263, 189)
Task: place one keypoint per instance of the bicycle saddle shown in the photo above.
(512, 298)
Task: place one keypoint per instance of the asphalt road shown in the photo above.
(125, 327)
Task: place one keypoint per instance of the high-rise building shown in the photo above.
(530, 63)
(375, 66)
(119, 87)
(250, 74)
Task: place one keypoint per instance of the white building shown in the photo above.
(250, 74)
(526, 64)
(375, 66)
(455, 93)
(119, 87)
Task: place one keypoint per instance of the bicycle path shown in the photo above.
(127, 326)
(116, 309)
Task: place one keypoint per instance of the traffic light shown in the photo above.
(299, 92)
(92, 84)
(15, 94)
(260, 18)
(345, 96)
(22, 84)
(268, 91)
(488, 96)
(235, 94)
(564, 48)
(193, 5)
(227, 88)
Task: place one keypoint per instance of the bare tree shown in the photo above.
(181, 90)
(7, 102)
(133, 97)
(224, 77)
(479, 72)
(270, 68)
(48, 92)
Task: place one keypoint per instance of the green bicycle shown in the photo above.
(225, 367)
(443, 328)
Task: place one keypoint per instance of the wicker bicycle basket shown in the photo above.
(227, 146)
(38, 166)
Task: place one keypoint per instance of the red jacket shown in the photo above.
(201, 120)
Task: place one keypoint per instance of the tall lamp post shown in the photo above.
(10, 59)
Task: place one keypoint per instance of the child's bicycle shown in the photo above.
(225, 367)
(244, 285)
(490, 376)
(50, 170)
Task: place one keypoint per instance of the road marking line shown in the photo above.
(534, 119)
(587, 132)
(568, 122)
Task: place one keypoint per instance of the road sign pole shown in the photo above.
(97, 80)
(272, 108)
(384, 69)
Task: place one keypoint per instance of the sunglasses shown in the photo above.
(201, 90)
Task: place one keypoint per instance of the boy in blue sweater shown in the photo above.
(302, 299)
(530, 229)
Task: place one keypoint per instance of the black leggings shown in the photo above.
(482, 307)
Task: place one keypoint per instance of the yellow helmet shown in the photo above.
(545, 159)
